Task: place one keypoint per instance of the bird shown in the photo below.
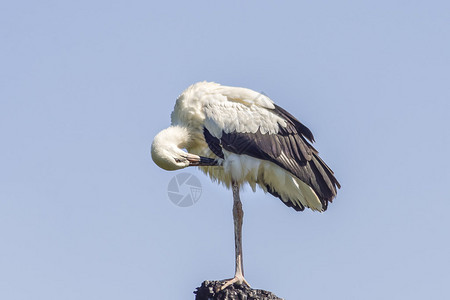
(239, 136)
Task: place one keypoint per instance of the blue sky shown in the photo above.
(85, 86)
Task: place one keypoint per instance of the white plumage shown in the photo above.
(237, 136)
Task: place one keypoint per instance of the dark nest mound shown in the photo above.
(209, 290)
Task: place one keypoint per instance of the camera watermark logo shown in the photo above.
(184, 190)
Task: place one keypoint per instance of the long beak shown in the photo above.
(195, 160)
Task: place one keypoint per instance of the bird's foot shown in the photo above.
(239, 279)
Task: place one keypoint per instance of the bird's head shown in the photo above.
(166, 148)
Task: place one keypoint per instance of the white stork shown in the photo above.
(237, 136)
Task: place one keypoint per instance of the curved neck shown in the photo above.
(173, 136)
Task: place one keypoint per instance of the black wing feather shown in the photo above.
(213, 143)
(300, 157)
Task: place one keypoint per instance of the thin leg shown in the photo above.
(238, 215)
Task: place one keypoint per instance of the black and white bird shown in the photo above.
(238, 136)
